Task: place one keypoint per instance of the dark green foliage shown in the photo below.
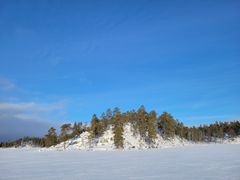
(94, 130)
(51, 137)
(167, 125)
(118, 128)
(104, 121)
(118, 138)
(142, 121)
(180, 130)
(77, 129)
(151, 119)
(65, 132)
(132, 117)
(97, 127)
(33, 141)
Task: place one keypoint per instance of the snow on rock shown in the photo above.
(175, 142)
(84, 142)
(81, 142)
(135, 141)
(105, 142)
(232, 141)
(131, 141)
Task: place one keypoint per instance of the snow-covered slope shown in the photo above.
(84, 142)
(131, 141)
(105, 142)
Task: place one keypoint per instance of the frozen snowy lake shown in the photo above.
(192, 162)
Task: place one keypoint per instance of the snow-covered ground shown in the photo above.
(208, 162)
(86, 158)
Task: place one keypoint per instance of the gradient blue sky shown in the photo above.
(62, 61)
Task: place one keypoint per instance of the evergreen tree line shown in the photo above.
(68, 131)
(33, 141)
(147, 124)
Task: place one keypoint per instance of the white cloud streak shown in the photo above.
(6, 84)
(27, 118)
(31, 106)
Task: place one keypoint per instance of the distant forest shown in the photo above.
(147, 124)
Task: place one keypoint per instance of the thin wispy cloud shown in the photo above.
(18, 119)
(6, 84)
(30, 106)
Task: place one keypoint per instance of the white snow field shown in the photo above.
(194, 162)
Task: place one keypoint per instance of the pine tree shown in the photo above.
(142, 121)
(109, 115)
(118, 129)
(151, 126)
(77, 129)
(65, 131)
(51, 137)
(118, 139)
(96, 128)
(133, 119)
(180, 130)
(167, 125)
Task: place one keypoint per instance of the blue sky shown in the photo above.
(62, 61)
